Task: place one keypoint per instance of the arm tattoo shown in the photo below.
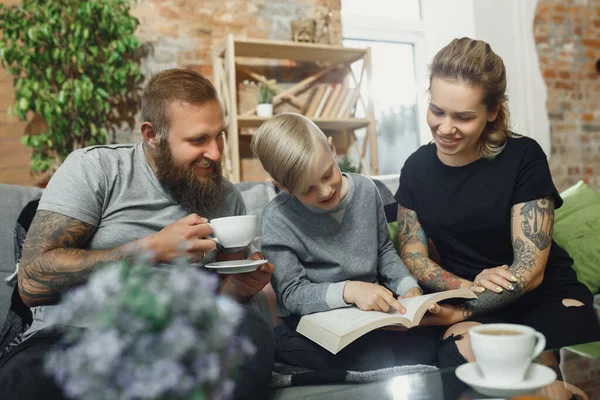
(53, 260)
(534, 226)
(409, 229)
(429, 273)
(489, 301)
(538, 221)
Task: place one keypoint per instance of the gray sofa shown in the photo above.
(12, 201)
(14, 198)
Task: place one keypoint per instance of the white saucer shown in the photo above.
(236, 266)
(536, 378)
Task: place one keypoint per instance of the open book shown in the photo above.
(337, 328)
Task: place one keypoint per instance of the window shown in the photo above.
(394, 32)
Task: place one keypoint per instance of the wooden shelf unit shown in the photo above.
(226, 64)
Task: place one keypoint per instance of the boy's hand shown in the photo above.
(370, 297)
(413, 292)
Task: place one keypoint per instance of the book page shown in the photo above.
(412, 304)
(414, 311)
(344, 320)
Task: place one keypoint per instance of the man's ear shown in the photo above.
(151, 137)
(331, 145)
(275, 183)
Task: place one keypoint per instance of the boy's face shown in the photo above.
(323, 186)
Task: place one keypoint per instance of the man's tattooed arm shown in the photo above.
(53, 260)
(532, 226)
(413, 243)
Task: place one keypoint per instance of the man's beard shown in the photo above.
(197, 195)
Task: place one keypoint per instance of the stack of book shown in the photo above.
(330, 101)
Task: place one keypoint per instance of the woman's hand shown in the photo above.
(442, 315)
(370, 297)
(494, 279)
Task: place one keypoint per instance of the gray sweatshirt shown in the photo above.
(316, 252)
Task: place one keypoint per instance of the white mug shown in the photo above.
(236, 231)
(504, 352)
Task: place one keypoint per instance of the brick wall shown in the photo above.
(14, 157)
(181, 34)
(567, 34)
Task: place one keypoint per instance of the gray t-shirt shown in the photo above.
(316, 253)
(114, 189)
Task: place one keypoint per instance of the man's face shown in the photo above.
(188, 162)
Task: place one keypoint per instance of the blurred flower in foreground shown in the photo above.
(150, 334)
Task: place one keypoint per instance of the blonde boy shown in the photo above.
(326, 232)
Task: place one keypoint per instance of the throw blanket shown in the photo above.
(284, 375)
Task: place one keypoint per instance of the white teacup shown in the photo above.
(236, 231)
(504, 352)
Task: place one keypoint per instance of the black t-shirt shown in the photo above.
(466, 211)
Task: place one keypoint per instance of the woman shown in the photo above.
(485, 198)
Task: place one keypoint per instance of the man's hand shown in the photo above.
(442, 315)
(370, 297)
(250, 283)
(186, 237)
(494, 279)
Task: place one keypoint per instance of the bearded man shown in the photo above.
(108, 203)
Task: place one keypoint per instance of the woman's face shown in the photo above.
(457, 117)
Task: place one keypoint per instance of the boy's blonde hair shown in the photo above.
(473, 63)
(286, 146)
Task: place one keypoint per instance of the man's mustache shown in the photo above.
(203, 163)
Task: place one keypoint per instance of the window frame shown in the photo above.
(396, 30)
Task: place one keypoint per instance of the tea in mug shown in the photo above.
(500, 332)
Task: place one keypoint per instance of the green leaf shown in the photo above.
(70, 62)
(25, 140)
(23, 103)
(31, 34)
(102, 92)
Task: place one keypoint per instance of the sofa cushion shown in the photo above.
(577, 230)
(14, 199)
(390, 207)
(256, 195)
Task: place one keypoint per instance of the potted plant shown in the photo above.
(266, 91)
(72, 65)
(346, 165)
(152, 333)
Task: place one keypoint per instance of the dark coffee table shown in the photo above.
(580, 366)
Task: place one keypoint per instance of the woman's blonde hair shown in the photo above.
(473, 63)
(286, 146)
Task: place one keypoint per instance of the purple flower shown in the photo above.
(150, 334)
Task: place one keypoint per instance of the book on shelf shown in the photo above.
(345, 103)
(338, 103)
(309, 99)
(348, 103)
(333, 98)
(323, 101)
(316, 100)
(336, 329)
